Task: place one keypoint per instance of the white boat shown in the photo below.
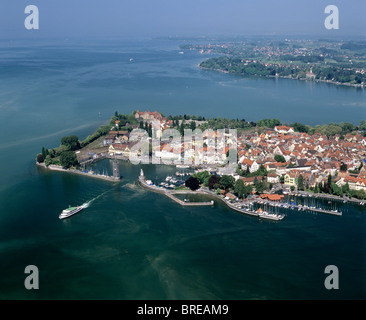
(182, 166)
(168, 178)
(271, 216)
(71, 211)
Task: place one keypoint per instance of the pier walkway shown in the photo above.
(85, 174)
(170, 194)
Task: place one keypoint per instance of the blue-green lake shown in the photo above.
(131, 243)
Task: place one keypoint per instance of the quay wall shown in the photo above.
(85, 174)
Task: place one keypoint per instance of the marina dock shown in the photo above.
(296, 207)
(170, 193)
(242, 207)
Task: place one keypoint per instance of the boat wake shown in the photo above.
(88, 203)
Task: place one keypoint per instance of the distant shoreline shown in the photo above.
(288, 77)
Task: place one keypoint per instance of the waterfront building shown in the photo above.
(310, 75)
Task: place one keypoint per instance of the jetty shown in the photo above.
(114, 178)
(170, 193)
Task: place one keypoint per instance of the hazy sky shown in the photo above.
(151, 18)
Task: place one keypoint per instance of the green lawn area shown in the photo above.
(181, 188)
(95, 144)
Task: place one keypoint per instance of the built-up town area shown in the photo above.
(280, 156)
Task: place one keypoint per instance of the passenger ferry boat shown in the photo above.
(71, 211)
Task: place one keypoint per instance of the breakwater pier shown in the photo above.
(83, 173)
(170, 193)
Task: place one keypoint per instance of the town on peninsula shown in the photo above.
(270, 158)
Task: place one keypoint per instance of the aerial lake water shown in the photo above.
(134, 244)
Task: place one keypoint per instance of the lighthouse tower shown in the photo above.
(116, 174)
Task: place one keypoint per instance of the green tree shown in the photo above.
(343, 167)
(44, 152)
(269, 123)
(345, 188)
(205, 181)
(48, 160)
(192, 183)
(260, 187)
(68, 159)
(39, 158)
(292, 188)
(279, 158)
(193, 125)
(239, 188)
(71, 142)
(227, 182)
(214, 182)
(300, 182)
(201, 176)
(336, 190)
(348, 127)
(299, 127)
(181, 128)
(248, 189)
(329, 183)
(362, 125)
(262, 171)
(360, 194)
